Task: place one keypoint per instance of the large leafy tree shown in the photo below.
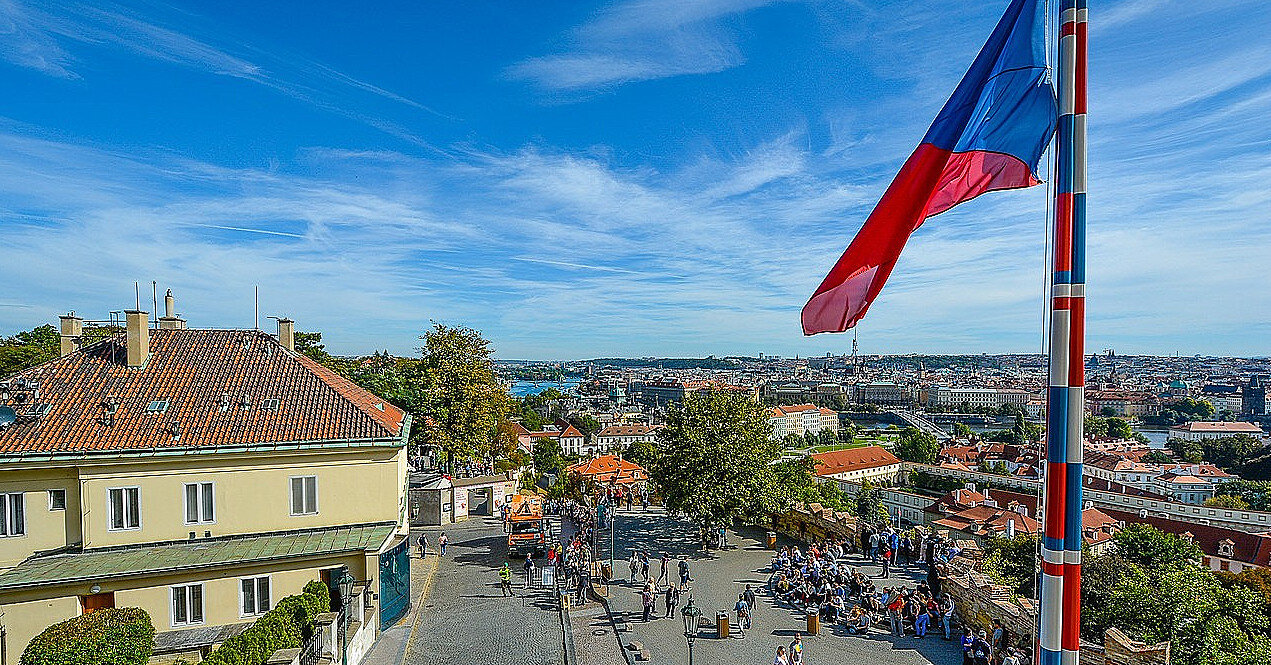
(1147, 546)
(28, 349)
(869, 503)
(462, 399)
(1013, 561)
(914, 445)
(1256, 493)
(715, 459)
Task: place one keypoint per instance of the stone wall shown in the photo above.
(814, 523)
(979, 601)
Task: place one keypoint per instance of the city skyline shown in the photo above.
(625, 179)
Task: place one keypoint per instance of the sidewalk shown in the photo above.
(390, 648)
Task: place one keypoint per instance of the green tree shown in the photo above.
(962, 431)
(1013, 562)
(643, 453)
(1257, 580)
(1227, 501)
(1157, 457)
(548, 457)
(462, 400)
(1118, 428)
(917, 446)
(310, 344)
(715, 458)
(1230, 451)
(585, 423)
(28, 349)
(1256, 493)
(1147, 546)
(869, 503)
(1095, 426)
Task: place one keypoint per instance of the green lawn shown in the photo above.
(842, 446)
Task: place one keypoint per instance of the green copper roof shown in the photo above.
(110, 562)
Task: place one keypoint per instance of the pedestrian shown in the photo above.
(781, 657)
(968, 640)
(796, 650)
(664, 573)
(684, 578)
(644, 566)
(999, 640)
(886, 556)
(634, 564)
(980, 649)
(529, 571)
(921, 619)
(873, 547)
(423, 545)
(442, 541)
(749, 594)
(743, 613)
(647, 597)
(672, 599)
(505, 579)
(946, 616)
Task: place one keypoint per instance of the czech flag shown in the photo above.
(990, 135)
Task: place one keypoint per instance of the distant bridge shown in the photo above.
(914, 420)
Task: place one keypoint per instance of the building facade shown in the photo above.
(198, 474)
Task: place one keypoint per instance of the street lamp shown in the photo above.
(690, 614)
(345, 584)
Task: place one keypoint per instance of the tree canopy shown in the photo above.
(462, 400)
(716, 460)
(28, 349)
(914, 445)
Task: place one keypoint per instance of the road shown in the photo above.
(718, 578)
(465, 620)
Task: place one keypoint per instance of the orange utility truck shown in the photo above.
(527, 530)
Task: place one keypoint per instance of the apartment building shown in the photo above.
(618, 437)
(198, 474)
(946, 397)
(802, 419)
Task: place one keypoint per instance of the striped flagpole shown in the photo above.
(1060, 608)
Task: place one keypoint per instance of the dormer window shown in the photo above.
(1226, 548)
(270, 404)
(157, 406)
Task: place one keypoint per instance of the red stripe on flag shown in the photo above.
(1077, 342)
(1061, 303)
(1069, 28)
(1056, 569)
(1070, 638)
(1063, 232)
(1079, 104)
(1056, 491)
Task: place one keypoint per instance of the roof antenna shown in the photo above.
(257, 324)
(137, 287)
(154, 295)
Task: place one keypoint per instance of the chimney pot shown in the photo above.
(287, 333)
(138, 323)
(72, 328)
(170, 320)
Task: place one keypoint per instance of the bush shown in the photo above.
(114, 636)
(286, 626)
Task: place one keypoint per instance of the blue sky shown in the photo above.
(639, 177)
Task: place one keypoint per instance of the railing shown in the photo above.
(311, 651)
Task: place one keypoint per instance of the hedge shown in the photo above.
(112, 636)
(286, 626)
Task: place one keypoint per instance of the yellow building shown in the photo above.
(198, 474)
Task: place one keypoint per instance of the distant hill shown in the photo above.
(669, 363)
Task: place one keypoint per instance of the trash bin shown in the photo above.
(814, 622)
(564, 600)
(606, 571)
(772, 540)
(721, 624)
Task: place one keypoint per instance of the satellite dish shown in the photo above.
(7, 416)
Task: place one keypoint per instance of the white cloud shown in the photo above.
(641, 40)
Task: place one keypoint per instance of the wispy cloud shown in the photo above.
(640, 40)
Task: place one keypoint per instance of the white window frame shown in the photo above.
(7, 513)
(202, 606)
(291, 497)
(110, 522)
(255, 582)
(202, 486)
(52, 508)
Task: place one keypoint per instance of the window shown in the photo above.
(57, 499)
(12, 514)
(304, 495)
(187, 604)
(254, 594)
(157, 406)
(270, 404)
(199, 503)
(125, 508)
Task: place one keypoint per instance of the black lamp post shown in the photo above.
(345, 584)
(690, 614)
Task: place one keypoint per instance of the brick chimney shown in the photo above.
(138, 337)
(287, 333)
(170, 320)
(72, 329)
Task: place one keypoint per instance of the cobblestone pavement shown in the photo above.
(466, 621)
(718, 578)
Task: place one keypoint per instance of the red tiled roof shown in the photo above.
(626, 430)
(853, 459)
(1254, 548)
(607, 468)
(193, 370)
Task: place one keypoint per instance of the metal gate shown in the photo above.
(394, 583)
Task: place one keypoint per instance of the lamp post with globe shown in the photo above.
(690, 614)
